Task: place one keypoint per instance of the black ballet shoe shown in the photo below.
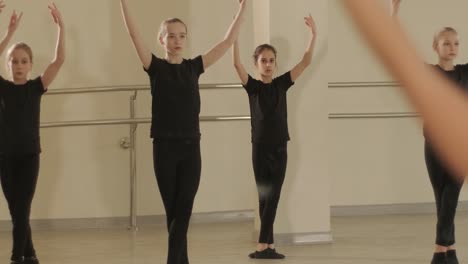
(439, 258)
(280, 256)
(268, 253)
(252, 255)
(31, 260)
(452, 257)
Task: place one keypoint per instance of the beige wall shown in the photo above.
(306, 191)
(380, 160)
(84, 172)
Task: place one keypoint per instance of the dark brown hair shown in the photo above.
(262, 48)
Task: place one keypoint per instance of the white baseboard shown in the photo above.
(124, 222)
(390, 209)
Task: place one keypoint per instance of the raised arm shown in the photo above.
(307, 58)
(241, 72)
(13, 25)
(51, 71)
(142, 50)
(443, 106)
(222, 47)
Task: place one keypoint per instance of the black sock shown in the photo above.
(15, 260)
(452, 257)
(439, 258)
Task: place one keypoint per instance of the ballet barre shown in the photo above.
(133, 121)
(131, 88)
(361, 84)
(373, 115)
(129, 121)
(368, 114)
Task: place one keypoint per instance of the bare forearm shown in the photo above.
(215, 53)
(233, 31)
(235, 54)
(60, 48)
(142, 51)
(241, 72)
(297, 70)
(129, 23)
(307, 59)
(4, 42)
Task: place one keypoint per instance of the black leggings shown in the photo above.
(18, 175)
(177, 165)
(446, 191)
(269, 163)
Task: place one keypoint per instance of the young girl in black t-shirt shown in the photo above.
(20, 99)
(175, 120)
(268, 109)
(446, 186)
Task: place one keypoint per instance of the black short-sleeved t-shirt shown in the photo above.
(176, 98)
(20, 107)
(459, 75)
(268, 109)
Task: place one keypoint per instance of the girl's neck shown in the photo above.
(173, 59)
(20, 81)
(265, 79)
(446, 65)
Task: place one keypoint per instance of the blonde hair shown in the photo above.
(163, 27)
(439, 34)
(20, 45)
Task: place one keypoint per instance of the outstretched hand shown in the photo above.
(15, 19)
(56, 14)
(310, 23)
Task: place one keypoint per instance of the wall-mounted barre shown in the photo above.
(132, 121)
(373, 115)
(361, 84)
(123, 88)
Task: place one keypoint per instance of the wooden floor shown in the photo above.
(358, 240)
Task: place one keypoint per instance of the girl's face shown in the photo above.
(447, 46)
(174, 39)
(266, 63)
(19, 65)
